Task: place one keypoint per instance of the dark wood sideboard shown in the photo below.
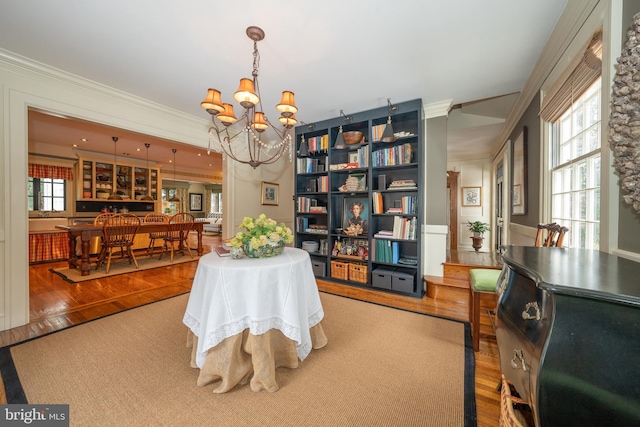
(568, 330)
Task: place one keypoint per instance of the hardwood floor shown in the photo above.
(56, 304)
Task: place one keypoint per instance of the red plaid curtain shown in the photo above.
(47, 171)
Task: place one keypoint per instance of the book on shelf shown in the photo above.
(377, 131)
(404, 228)
(317, 209)
(386, 251)
(378, 204)
(393, 156)
(318, 144)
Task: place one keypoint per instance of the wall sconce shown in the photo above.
(392, 108)
(346, 118)
(309, 126)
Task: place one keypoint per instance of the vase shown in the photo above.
(237, 253)
(477, 243)
(268, 250)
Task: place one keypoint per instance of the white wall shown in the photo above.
(473, 173)
(241, 192)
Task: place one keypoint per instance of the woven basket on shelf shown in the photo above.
(358, 273)
(340, 270)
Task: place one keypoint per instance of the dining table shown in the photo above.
(86, 231)
(247, 317)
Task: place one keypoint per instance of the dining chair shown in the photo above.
(551, 234)
(156, 235)
(119, 232)
(178, 232)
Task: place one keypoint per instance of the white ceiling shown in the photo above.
(349, 55)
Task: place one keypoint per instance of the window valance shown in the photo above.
(49, 171)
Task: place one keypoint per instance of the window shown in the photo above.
(575, 170)
(46, 194)
(170, 208)
(216, 202)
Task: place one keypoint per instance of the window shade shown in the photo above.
(48, 171)
(580, 78)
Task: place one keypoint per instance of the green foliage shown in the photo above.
(478, 227)
(260, 231)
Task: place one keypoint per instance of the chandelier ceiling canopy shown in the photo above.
(251, 149)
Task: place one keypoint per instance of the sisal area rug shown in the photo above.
(381, 367)
(122, 266)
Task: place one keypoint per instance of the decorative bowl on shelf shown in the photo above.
(352, 137)
(102, 195)
(102, 177)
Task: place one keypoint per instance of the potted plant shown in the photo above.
(478, 228)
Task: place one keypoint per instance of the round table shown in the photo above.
(239, 309)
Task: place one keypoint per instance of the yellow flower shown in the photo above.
(260, 231)
(274, 237)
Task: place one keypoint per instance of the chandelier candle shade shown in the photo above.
(254, 151)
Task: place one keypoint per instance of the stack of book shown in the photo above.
(402, 184)
(384, 234)
(316, 228)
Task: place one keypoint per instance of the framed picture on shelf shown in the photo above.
(270, 193)
(471, 196)
(355, 216)
(195, 202)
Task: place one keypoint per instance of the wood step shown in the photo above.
(447, 281)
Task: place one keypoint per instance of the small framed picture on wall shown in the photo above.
(471, 196)
(270, 194)
(195, 202)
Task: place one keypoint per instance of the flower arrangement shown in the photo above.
(260, 231)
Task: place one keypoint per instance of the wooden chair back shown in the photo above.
(550, 235)
(179, 226)
(100, 219)
(156, 217)
(119, 230)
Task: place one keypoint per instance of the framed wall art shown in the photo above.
(195, 202)
(519, 174)
(270, 193)
(471, 196)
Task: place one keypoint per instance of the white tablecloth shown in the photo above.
(231, 295)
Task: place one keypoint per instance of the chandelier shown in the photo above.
(253, 150)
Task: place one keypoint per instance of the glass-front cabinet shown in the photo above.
(100, 178)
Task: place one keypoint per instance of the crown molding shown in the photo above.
(437, 109)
